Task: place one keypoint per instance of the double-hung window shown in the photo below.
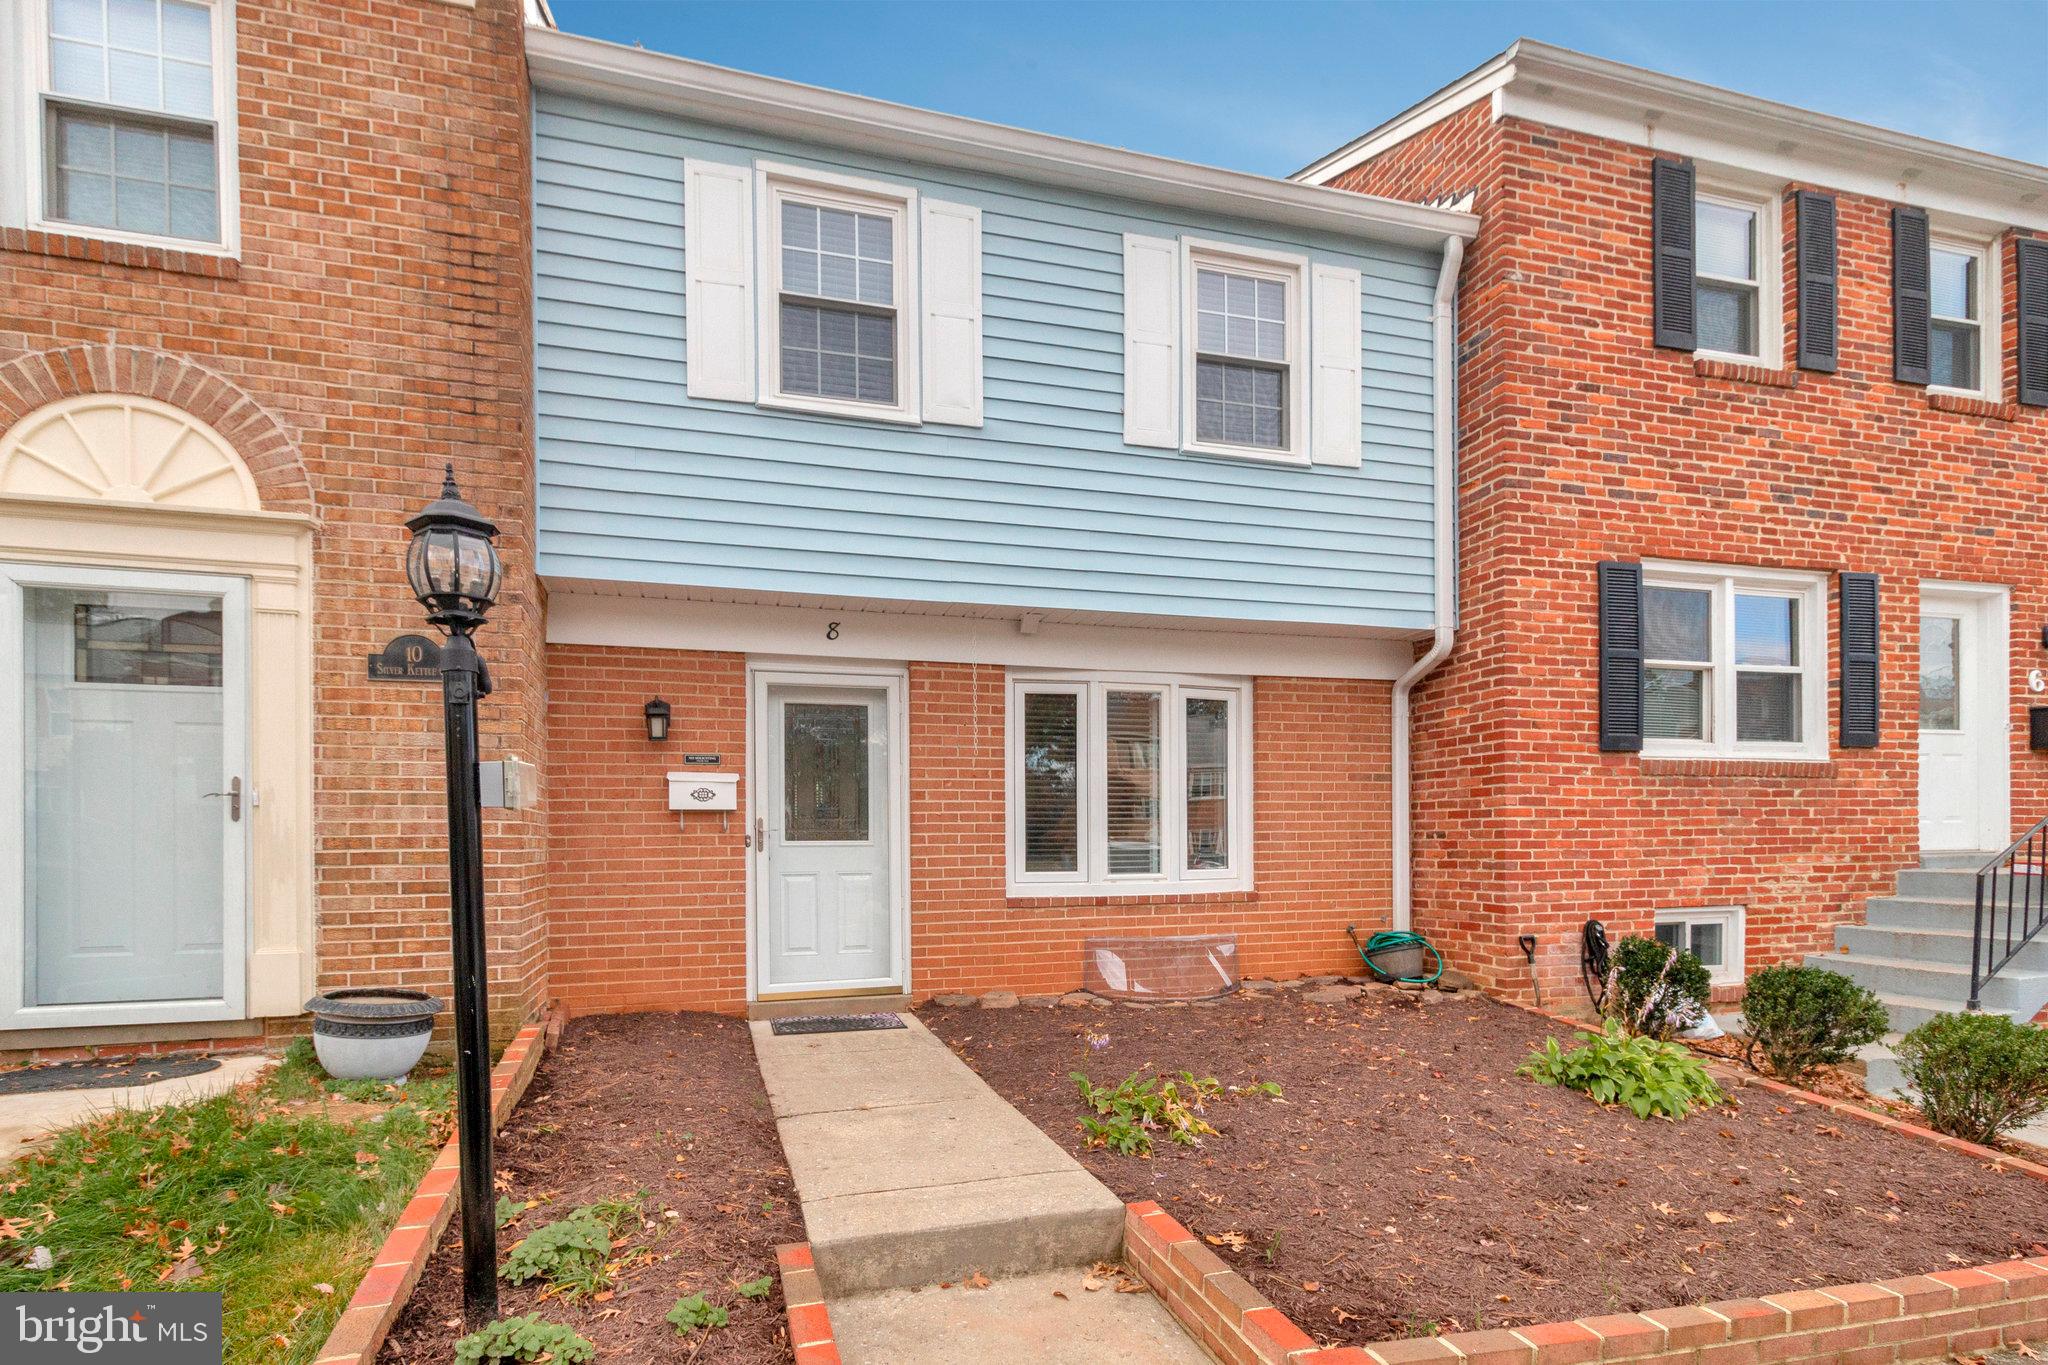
(1128, 785)
(133, 120)
(1245, 364)
(839, 319)
(1731, 242)
(1732, 663)
(1956, 349)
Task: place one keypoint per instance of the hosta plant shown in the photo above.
(1647, 1076)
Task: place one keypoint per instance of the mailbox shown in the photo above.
(689, 791)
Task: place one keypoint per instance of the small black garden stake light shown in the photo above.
(658, 712)
(454, 571)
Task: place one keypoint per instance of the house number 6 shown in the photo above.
(2036, 680)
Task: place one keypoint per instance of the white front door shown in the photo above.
(826, 828)
(129, 739)
(1962, 721)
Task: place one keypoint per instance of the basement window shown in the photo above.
(1713, 935)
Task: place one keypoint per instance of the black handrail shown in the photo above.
(2026, 914)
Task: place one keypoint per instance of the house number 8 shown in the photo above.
(832, 633)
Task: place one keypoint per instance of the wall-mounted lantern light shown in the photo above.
(657, 720)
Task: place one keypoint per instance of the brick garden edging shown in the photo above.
(360, 1331)
(803, 1302)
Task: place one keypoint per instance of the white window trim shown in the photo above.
(774, 183)
(1769, 283)
(1990, 317)
(1731, 972)
(1092, 877)
(31, 139)
(1811, 591)
(1291, 270)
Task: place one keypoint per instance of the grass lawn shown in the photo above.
(276, 1194)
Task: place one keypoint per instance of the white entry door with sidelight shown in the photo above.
(1963, 721)
(829, 855)
(122, 750)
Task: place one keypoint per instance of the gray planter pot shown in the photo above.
(376, 1033)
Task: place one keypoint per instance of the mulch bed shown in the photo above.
(671, 1104)
(1411, 1182)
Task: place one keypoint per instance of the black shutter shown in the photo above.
(1859, 660)
(1671, 254)
(1817, 280)
(1910, 326)
(1621, 657)
(2031, 255)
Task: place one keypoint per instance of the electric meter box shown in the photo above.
(703, 791)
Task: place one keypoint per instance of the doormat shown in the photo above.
(834, 1023)
(31, 1080)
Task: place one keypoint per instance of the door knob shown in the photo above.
(760, 833)
(233, 795)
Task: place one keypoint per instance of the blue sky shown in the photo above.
(1268, 86)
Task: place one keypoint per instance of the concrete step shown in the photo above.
(1926, 944)
(1881, 1074)
(1919, 912)
(911, 1171)
(1909, 1012)
(1956, 883)
(1047, 1318)
(2012, 991)
(1950, 862)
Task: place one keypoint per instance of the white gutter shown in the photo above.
(1444, 327)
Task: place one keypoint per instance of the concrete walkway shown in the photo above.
(26, 1121)
(911, 1171)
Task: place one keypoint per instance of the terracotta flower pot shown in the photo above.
(372, 1033)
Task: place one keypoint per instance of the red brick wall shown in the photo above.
(650, 913)
(375, 327)
(1581, 441)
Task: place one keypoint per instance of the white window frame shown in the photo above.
(1769, 282)
(1091, 876)
(1990, 320)
(1810, 590)
(1291, 271)
(1731, 918)
(29, 136)
(777, 184)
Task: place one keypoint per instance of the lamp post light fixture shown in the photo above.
(454, 571)
(658, 712)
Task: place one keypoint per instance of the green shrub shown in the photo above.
(523, 1338)
(1128, 1114)
(691, 1313)
(572, 1254)
(1977, 1075)
(1655, 989)
(1805, 1018)
(1647, 1076)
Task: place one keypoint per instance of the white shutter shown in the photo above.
(949, 238)
(1334, 379)
(1151, 341)
(718, 251)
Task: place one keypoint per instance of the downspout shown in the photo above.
(1444, 327)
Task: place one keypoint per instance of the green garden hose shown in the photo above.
(1390, 940)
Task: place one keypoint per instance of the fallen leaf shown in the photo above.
(1312, 1286)
(1714, 1217)
(977, 1281)
(323, 1288)
(179, 1272)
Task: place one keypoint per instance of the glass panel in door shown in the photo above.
(125, 830)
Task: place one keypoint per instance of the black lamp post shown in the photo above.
(454, 571)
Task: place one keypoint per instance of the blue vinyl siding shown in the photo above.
(1043, 507)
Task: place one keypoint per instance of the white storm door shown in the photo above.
(1962, 723)
(129, 739)
(828, 840)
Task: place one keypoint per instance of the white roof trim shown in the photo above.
(676, 85)
(1570, 90)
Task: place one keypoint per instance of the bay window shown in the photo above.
(1128, 785)
(1732, 663)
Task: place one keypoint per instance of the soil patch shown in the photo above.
(1411, 1182)
(670, 1104)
